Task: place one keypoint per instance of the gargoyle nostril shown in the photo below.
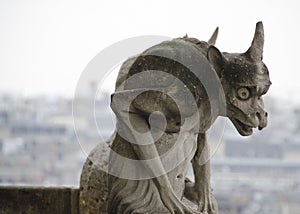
(266, 114)
(258, 115)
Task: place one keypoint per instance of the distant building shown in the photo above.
(257, 149)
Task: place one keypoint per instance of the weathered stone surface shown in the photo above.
(243, 78)
(93, 182)
(37, 200)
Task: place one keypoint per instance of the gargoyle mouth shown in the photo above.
(243, 129)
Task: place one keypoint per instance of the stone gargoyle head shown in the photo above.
(245, 79)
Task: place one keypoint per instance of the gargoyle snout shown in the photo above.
(262, 117)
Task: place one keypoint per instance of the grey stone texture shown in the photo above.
(244, 79)
(37, 200)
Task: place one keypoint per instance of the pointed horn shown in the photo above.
(256, 49)
(213, 38)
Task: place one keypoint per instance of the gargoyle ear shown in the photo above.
(216, 58)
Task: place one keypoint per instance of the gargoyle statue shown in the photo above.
(147, 88)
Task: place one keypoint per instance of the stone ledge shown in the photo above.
(36, 200)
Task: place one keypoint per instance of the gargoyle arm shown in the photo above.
(147, 150)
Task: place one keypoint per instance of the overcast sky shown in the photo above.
(45, 45)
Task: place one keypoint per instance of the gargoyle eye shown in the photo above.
(243, 93)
